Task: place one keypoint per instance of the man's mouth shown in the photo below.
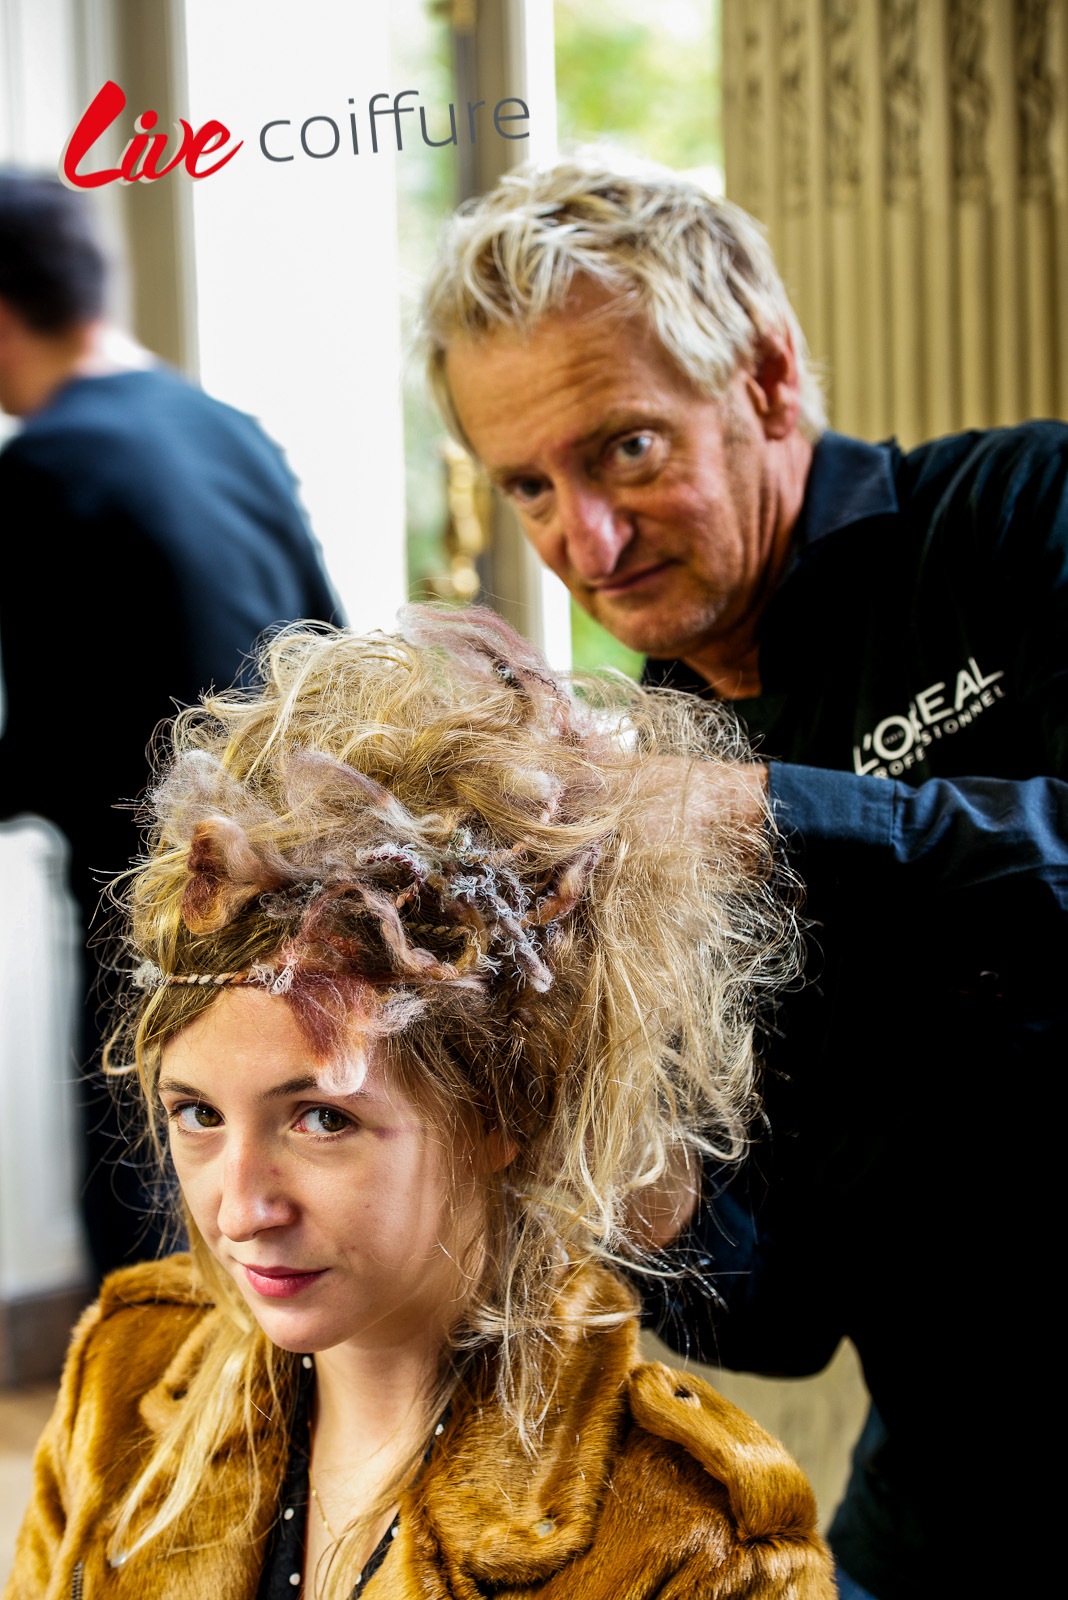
(628, 582)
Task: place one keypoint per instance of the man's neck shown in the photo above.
(111, 351)
(93, 350)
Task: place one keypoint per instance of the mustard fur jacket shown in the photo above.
(649, 1482)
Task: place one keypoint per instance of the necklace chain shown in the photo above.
(319, 1504)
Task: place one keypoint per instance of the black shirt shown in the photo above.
(284, 1563)
(283, 1567)
(915, 714)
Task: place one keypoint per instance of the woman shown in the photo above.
(431, 1027)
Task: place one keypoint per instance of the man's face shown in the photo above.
(649, 500)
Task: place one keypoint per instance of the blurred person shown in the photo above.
(153, 533)
(618, 350)
(419, 1005)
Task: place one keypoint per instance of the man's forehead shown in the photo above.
(576, 372)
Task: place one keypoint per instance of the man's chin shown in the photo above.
(653, 634)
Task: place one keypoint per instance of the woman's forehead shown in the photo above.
(253, 1039)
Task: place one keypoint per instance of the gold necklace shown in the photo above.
(332, 1535)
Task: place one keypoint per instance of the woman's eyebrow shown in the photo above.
(277, 1091)
(172, 1086)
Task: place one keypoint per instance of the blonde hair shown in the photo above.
(698, 268)
(429, 833)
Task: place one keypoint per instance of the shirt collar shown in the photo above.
(848, 481)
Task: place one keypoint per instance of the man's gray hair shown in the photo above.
(698, 268)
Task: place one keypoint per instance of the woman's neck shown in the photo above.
(365, 1399)
(369, 1420)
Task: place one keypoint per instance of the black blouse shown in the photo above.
(284, 1566)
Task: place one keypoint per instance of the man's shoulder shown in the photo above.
(131, 419)
(149, 447)
(997, 454)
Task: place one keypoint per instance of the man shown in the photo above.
(619, 352)
(150, 535)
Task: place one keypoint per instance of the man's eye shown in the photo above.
(325, 1120)
(526, 490)
(635, 447)
(194, 1116)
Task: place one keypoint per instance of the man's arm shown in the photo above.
(952, 833)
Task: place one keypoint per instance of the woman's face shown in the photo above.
(336, 1213)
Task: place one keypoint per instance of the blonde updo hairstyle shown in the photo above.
(427, 836)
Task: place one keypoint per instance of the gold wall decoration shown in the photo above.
(467, 532)
(1035, 98)
(903, 99)
(844, 103)
(910, 161)
(793, 104)
(970, 97)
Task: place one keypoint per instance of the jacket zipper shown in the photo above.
(77, 1578)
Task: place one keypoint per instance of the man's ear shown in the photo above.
(773, 383)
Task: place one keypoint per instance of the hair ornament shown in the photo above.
(382, 896)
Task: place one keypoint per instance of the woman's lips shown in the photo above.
(279, 1283)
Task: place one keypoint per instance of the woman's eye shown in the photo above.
(194, 1117)
(325, 1120)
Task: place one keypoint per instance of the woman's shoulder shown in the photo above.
(167, 1282)
(144, 1320)
(769, 1493)
(730, 1493)
(640, 1470)
(159, 1296)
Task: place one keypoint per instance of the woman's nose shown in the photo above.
(254, 1197)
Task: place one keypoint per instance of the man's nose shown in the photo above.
(594, 532)
(253, 1196)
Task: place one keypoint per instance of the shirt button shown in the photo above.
(288, 1513)
(305, 1361)
(395, 1529)
(294, 1578)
